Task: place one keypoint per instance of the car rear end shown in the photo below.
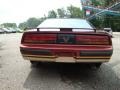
(66, 46)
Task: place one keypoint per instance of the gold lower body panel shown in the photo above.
(67, 59)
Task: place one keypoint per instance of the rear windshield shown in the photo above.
(66, 23)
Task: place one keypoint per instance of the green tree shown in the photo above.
(23, 25)
(52, 14)
(95, 2)
(108, 2)
(32, 22)
(74, 12)
(61, 13)
(7, 25)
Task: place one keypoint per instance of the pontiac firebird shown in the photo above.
(66, 41)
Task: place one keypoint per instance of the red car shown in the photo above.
(67, 41)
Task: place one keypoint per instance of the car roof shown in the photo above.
(73, 23)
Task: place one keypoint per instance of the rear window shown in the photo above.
(66, 23)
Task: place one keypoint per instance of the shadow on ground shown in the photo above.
(77, 76)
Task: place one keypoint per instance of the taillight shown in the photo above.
(92, 40)
(39, 38)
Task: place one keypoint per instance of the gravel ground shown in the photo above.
(18, 74)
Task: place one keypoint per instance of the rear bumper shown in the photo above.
(65, 59)
(70, 54)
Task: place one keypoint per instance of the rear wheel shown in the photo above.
(97, 65)
(33, 62)
(94, 65)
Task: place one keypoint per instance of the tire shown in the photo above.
(94, 65)
(97, 65)
(33, 62)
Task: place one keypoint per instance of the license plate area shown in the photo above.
(66, 59)
(66, 39)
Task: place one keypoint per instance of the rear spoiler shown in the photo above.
(61, 29)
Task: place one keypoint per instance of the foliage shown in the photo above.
(74, 12)
(31, 23)
(52, 14)
(108, 2)
(102, 3)
(7, 25)
(61, 12)
(98, 22)
(113, 22)
(23, 25)
(95, 2)
(107, 21)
